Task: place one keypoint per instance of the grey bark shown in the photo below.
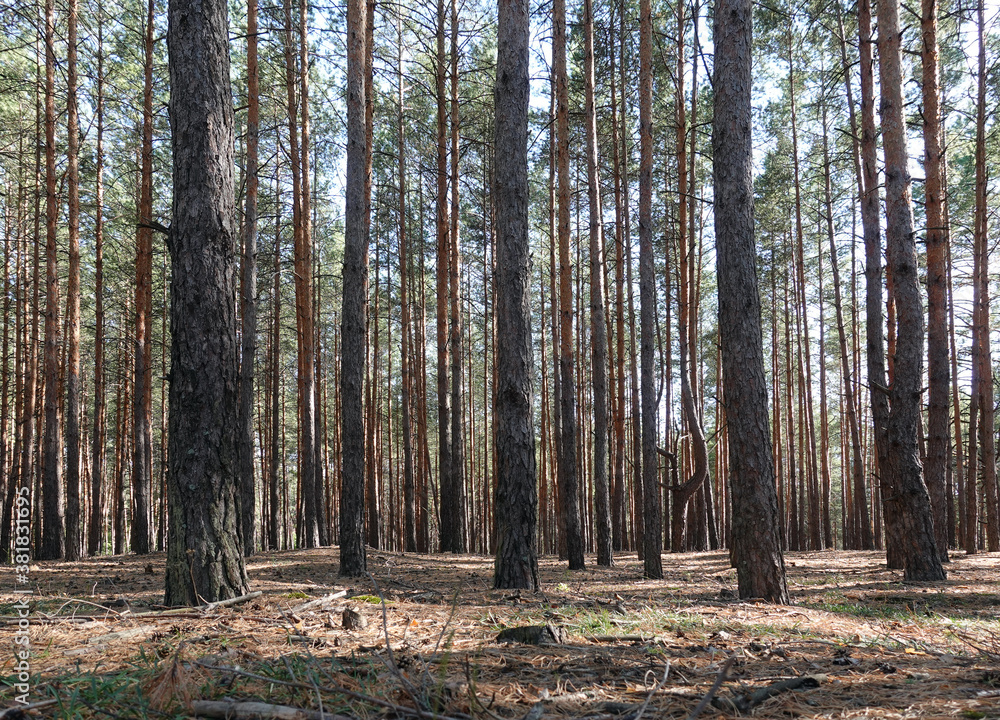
(516, 500)
(204, 548)
(756, 551)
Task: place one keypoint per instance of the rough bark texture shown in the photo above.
(459, 529)
(204, 548)
(53, 540)
(73, 455)
(598, 327)
(443, 258)
(905, 495)
(938, 370)
(982, 375)
(95, 530)
(874, 325)
(142, 396)
(652, 513)
(353, 561)
(516, 499)
(756, 551)
(569, 504)
(249, 295)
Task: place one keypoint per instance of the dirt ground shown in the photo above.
(855, 643)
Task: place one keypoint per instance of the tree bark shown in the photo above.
(249, 296)
(904, 493)
(757, 554)
(459, 531)
(598, 328)
(53, 539)
(569, 508)
(516, 502)
(938, 440)
(72, 407)
(95, 531)
(353, 561)
(652, 512)
(142, 395)
(204, 549)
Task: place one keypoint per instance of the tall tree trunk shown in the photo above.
(757, 554)
(619, 514)
(142, 395)
(860, 506)
(274, 534)
(516, 502)
(905, 495)
(681, 494)
(457, 474)
(249, 296)
(982, 374)
(53, 539)
(443, 260)
(72, 411)
(204, 548)
(598, 328)
(353, 561)
(938, 440)
(409, 512)
(874, 325)
(97, 432)
(652, 513)
(862, 528)
(568, 478)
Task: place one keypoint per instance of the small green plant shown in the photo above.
(296, 595)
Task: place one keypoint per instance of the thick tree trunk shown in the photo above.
(204, 549)
(757, 554)
(516, 502)
(353, 561)
(905, 495)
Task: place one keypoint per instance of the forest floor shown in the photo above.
(856, 642)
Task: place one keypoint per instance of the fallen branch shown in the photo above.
(645, 703)
(258, 711)
(231, 601)
(744, 703)
(719, 679)
(18, 710)
(318, 602)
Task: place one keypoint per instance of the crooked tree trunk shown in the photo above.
(204, 548)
